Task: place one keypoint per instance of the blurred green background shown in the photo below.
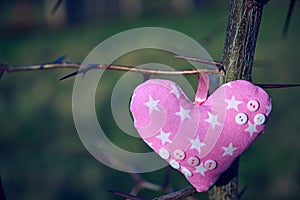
(41, 155)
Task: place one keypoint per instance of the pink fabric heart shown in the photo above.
(201, 139)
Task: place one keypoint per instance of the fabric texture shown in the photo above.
(202, 138)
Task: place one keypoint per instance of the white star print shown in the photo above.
(152, 104)
(269, 108)
(213, 120)
(251, 128)
(175, 91)
(164, 137)
(229, 150)
(196, 144)
(233, 103)
(200, 169)
(183, 114)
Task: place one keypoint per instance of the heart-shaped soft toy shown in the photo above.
(200, 139)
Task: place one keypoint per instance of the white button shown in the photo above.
(252, 105)
(241, 118)
(179, 154)
(164, 153)
(210, 164)
(193, 161)
(174, 164)
(186, 172)
(259, 119)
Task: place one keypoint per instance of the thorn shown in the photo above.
(60, 59)
(222, 68)
(69, 75)
(288, 18)
(208, 62)
(128, 196)
(58, 3)
(2, 194)
(272, 86)
(80, 71)
(242, 192)
(3, 68)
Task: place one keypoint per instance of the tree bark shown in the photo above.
(241, 35)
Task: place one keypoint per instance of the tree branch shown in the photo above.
(188, 191)
(84, 68)
(143, 184)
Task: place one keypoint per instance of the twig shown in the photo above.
(83, 68)
(140, 183)
(69, 65)
(218, 64)
(188, 191)
(128, 196)
(143, 184)
(86, 67)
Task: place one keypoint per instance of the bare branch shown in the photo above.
(82, 68)
(143, 184)
(188, 191)
(128, 196)
(140, 183)
(86, 68)
(218, 64)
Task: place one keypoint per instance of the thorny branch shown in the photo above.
(83, 68)
(141, 183)
(180, 194)
(186, 192)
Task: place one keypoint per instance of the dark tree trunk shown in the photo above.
(241, 35)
